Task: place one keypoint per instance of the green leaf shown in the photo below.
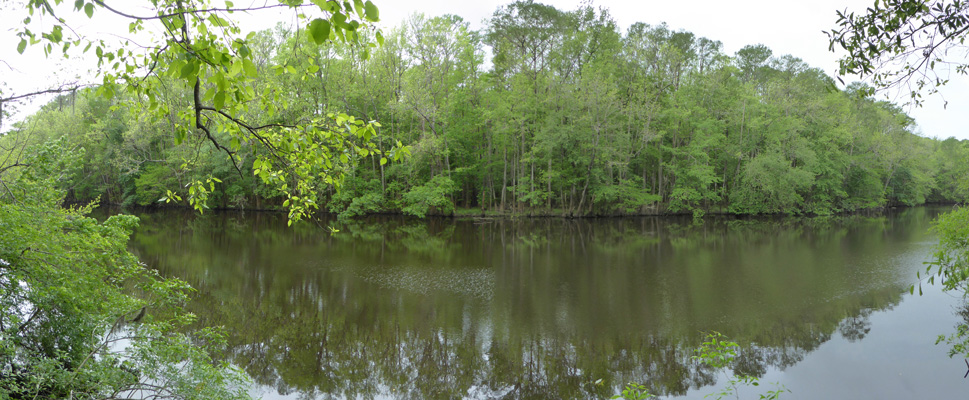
(22, 46)
(220, 81)
(340, 21)
(244, 51)
(373, 14)
(320, 30)
(89, 10)
(187, 71)
(250, 68)
(219, 100)
(235, 69)
(383, 160)
(56, 34)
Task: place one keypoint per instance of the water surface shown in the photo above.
(543, 308)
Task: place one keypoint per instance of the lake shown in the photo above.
(391, 307)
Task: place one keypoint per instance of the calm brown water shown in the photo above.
(543, 308)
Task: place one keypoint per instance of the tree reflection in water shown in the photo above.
(525, 309)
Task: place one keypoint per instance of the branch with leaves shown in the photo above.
(199, 47)
(910, 44)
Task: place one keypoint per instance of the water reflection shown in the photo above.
(527, 309)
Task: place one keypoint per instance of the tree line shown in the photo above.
(543, 111)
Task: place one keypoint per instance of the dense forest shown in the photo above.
(543, 112)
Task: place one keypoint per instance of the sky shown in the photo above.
(787, 27)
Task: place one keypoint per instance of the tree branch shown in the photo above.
(40, 92)
(182, 13)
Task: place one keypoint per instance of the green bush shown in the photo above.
(433, 196)
(80, 316)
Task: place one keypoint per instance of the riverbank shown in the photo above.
(478, 213)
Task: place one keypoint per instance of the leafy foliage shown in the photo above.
(719, 353)
(634, 391)
(951, 258)
(431, 197)
(80, 316)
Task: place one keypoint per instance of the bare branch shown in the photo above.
(206, 10)
(41, 92)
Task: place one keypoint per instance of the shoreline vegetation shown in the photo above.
(472, 213)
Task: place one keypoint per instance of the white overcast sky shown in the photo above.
(787, 27)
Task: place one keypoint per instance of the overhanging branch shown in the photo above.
(41, 92)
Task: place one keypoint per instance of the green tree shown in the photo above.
(199, 48)
(952, 163)
(80, 316)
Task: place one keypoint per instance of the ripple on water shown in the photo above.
(476, 283)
